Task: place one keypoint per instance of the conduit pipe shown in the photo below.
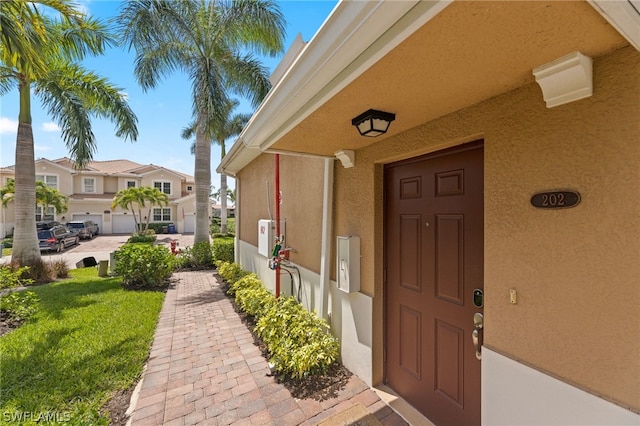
(277, 173)
(327, 226)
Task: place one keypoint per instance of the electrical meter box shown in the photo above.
(267, 236)
(348, 264)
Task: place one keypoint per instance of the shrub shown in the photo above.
(18, 306)
(144, 266)
(299, 342)
(59, 268)
(41, 272)
(223, 249)
(12, 276)
(255, 300)
(197, 257)
(7, 243)
(142, 238)
(231, 272)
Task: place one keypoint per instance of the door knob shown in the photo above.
(478, 323)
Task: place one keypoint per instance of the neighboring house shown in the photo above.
(216, 210)
(459, 206)
(91, 191)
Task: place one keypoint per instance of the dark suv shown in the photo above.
(84, 228)
(56, 238)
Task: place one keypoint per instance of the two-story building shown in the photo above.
(91, 191)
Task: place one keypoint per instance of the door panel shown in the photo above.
(434, 262)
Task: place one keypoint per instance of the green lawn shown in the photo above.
(89, 339)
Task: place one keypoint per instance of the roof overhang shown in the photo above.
(420, 60)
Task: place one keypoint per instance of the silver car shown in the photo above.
(85, 229)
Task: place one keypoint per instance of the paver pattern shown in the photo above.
(204, 369)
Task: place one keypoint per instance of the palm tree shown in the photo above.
(209, 41)
(45, 196)
(39, 54)
(220, 132)
(132, 198)
(154, 197)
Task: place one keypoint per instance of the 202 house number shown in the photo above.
(555, 199)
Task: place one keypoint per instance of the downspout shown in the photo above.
(277, 172)
(327, 227)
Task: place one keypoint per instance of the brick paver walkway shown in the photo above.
(205, 369)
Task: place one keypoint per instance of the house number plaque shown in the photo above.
(555, 199)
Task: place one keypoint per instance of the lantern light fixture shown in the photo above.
(373, 123)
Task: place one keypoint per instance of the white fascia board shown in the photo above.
(623, 15)
(354, 37)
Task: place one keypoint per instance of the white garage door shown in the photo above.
(122, 224)
(189, 224)
(97, 218)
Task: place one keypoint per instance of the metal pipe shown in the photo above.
(325, 251)
(277, 172)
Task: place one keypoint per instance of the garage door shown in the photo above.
(97, 218)
(122, 224)
(189, 224)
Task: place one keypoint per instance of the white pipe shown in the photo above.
(327, 226)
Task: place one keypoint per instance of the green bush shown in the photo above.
(7, 243)
(18, 306)
(144, 266)
(230, 272)
(197, 257)
(223, 249)
(298, 342)
(157, 227)
(142, 238)
(12, 276)
(255, 300)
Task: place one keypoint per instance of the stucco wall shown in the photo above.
(576, 270)
(301, 185)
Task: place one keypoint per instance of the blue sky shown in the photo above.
(162, 113)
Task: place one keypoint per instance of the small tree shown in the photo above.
(45, 196)
(132, 198)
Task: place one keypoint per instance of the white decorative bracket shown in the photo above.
(566, 79)
(346, 157)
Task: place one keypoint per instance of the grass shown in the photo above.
(89, 339)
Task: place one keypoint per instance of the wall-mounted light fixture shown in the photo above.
(373, 123)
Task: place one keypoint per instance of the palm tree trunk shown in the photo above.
(26, 251)
(202, 177)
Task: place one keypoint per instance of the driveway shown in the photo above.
(101, 246)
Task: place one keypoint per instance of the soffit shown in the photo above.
(469, 52)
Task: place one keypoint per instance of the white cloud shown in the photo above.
(50, 127)
(8, 126)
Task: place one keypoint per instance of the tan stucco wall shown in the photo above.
(163, 176)
(301, 206)
(577, 271)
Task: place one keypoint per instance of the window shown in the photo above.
(161, 215)
(189, 188)
(131, 184)
(89, 184)
(49, 214)
(50, 180)
(163, 186)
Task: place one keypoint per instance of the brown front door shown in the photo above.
(434, 264)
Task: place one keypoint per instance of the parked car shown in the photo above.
(57, 238)
(84, 228)
(46, 224)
